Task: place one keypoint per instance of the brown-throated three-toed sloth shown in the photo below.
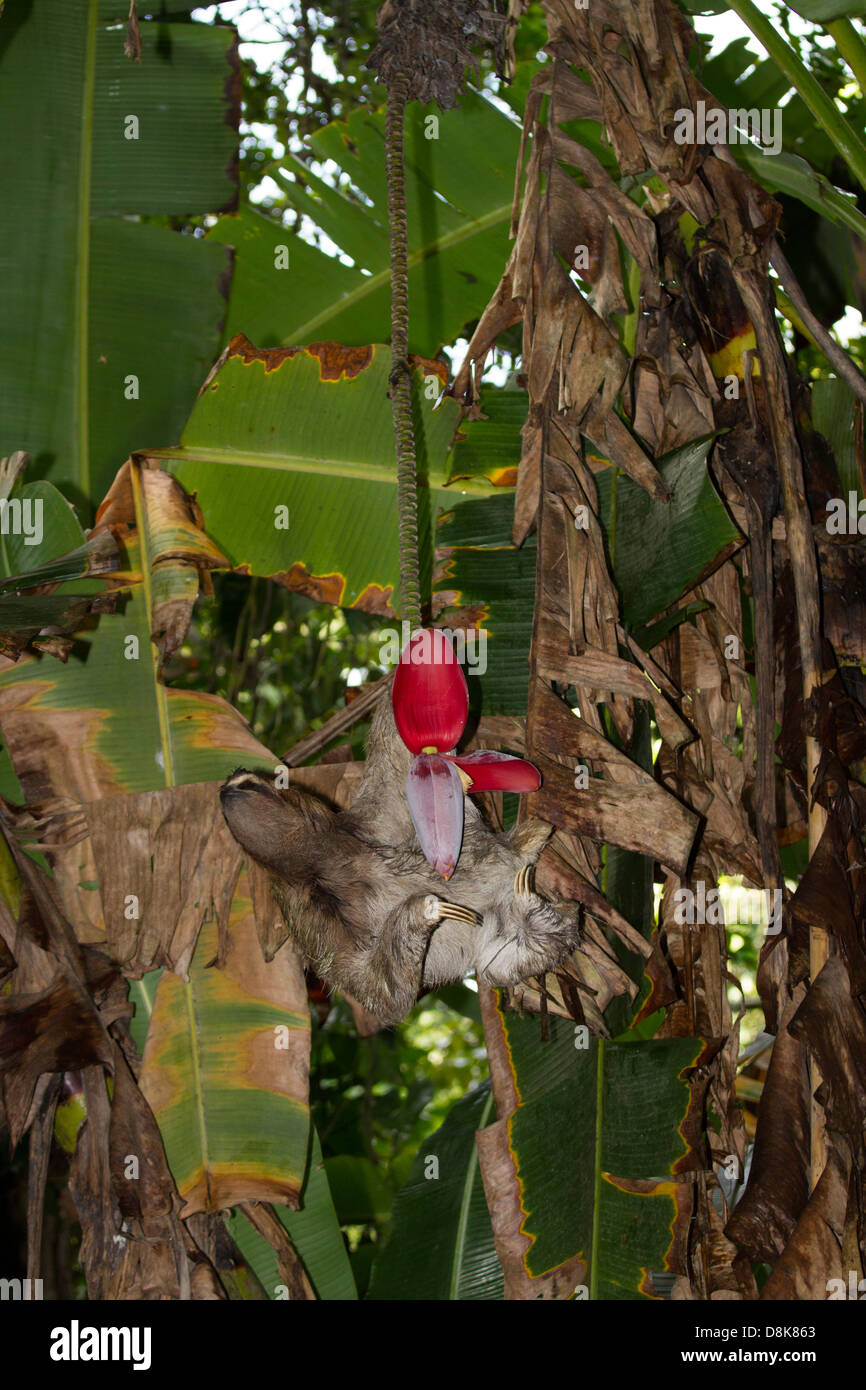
(365, 908)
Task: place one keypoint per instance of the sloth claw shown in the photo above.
(523, 882)
(454, 912)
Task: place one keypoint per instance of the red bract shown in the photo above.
(499, 772)
(431, 701)
(429, 695)
(435, 795)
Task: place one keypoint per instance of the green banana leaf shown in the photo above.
(597, 1141)
(107, 325)
(819, 218)
(824, 11)
(491, 447)
(360, 1192)
(459, 213)
(41, 542)
(789, 173)
(142, 993)
(686, 537)
(441, 1243)
(60, 535)
(737, 78)
(310, 432)
(313, 1230)
(834, 415)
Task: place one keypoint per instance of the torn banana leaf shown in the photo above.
(225, 1072)
(290, 454)
(601, 1156)
(459, 213)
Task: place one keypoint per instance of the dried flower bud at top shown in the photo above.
(428, 41)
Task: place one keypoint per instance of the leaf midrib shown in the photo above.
(82, 260)
(465, 1202)
(372, 283)
(597, 1173)
(336, 468)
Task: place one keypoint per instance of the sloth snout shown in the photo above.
(242, 782)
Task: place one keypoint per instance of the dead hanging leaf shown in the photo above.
(133, 1246)
(39, 1157)
(219, 1270)
(611, 809)
(696, 955)
(166, 862)
(563, 993)
(637, 59)
(767, 1213)
(831, 1023)
(132, 42)
(725, 1273)
(557, 879)
(616, 442)
(53, 1031)
(103, 1257)
(48, 1020)
(147, 1199)
(708, 773)
(814, 1254)
(528, 492)
(731, 1140)
(833, 888)
(592, 669)
(502, 312)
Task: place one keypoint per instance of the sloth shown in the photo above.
(366, 910)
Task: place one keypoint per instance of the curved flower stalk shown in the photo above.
(430, 699)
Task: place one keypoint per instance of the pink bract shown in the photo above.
(435, 796)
